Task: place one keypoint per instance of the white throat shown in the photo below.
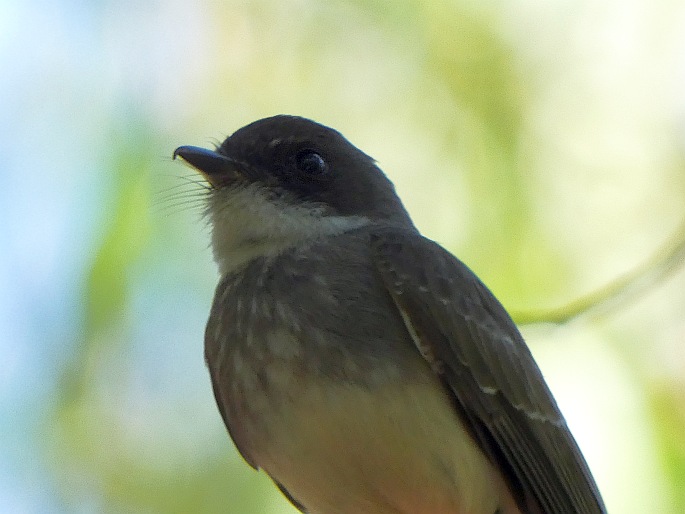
(247, 224)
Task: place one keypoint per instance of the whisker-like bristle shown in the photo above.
(189, 194)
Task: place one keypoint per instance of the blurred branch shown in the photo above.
(624, 289)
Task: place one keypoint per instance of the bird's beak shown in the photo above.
(216, 168)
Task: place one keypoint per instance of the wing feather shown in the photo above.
(475, 347)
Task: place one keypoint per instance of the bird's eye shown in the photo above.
(311, 163)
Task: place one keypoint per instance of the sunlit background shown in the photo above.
(541, 141)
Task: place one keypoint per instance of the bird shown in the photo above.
(358, 363)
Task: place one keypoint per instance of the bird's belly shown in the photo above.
(399, 447)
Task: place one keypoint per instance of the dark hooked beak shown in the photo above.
(217, 168)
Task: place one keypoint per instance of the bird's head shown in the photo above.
(284, 180)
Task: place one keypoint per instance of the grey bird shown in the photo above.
(361, 365)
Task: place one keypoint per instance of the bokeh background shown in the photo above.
(542, 142)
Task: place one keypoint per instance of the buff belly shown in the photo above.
(341, 448)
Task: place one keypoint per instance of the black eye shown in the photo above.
(311, 163)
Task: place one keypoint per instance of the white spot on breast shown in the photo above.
(249, 338)
(281, 310)
(225, 293)
(265, 310)
(218, 329)
(283, 345)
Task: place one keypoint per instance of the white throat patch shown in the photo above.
(248, 222)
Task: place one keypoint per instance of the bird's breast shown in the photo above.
(320, 385)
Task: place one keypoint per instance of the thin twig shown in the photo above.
(624, 289)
